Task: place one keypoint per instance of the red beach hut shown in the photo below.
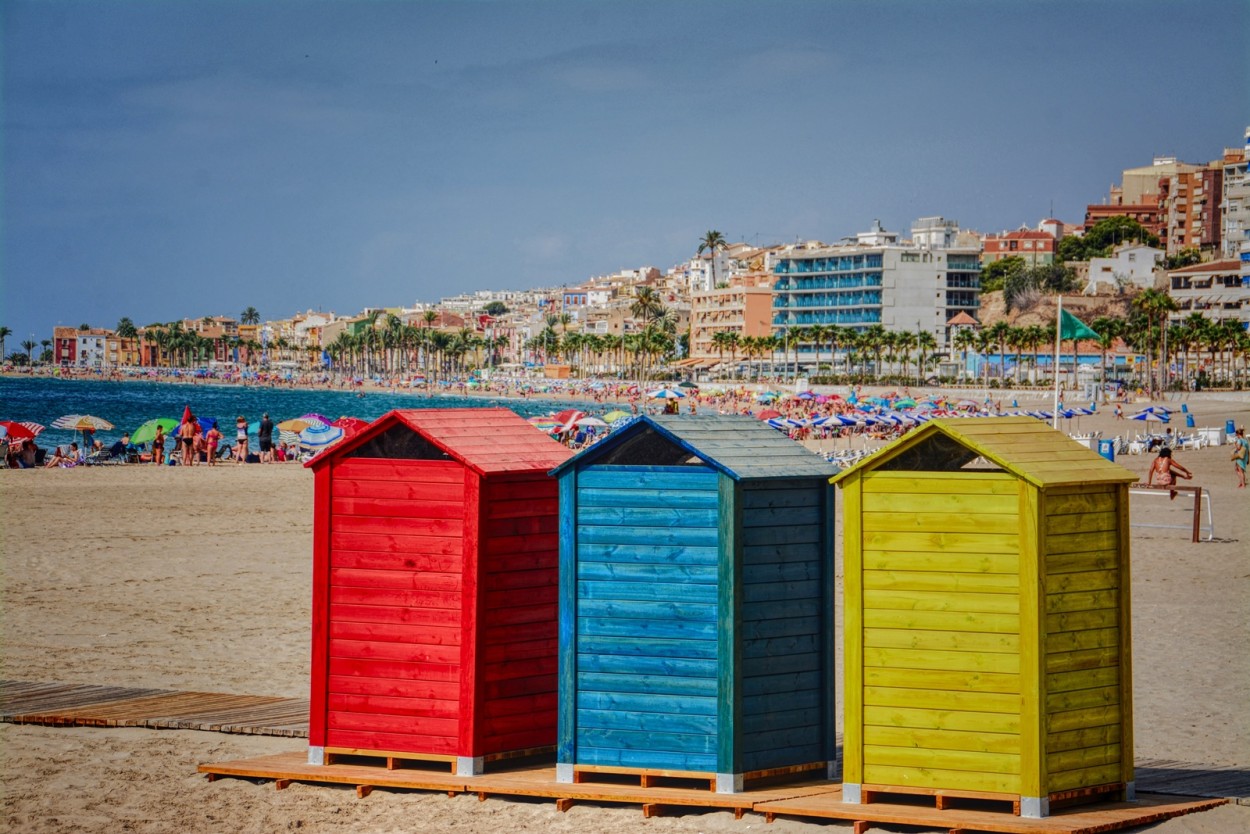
(435, 552)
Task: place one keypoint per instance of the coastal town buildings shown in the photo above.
(1235, 207)
(1219, 290)
(875, 281)
(744, 310)
(1037, 248)
(1130, 264)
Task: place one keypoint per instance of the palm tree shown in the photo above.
(734, 340)
(1155, 306)
(712, 242)
(965, 339)
(249, 316)
(926, 344)
(5, 333)
(645, 307)
(875, 339)
(905, 343)
(998, 333)
(30, 346)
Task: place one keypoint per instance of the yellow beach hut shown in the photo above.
(987, 628)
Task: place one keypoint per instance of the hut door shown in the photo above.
(646, 656)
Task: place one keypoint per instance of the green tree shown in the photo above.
(1188, 256)
(249, 316)
(994, 275)
(29, 346)
(1104, 236)
(5, 333)
(1155, 306)
(495, 308)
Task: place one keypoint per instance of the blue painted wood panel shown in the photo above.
(646, 600)
(785, 629)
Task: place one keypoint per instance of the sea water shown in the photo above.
(127, 405)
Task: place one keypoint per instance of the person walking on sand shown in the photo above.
(1241, 456)
(1164, 470)
(240, 444)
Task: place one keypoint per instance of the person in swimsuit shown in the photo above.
(186, 435)
(158, 446)
(1164, 470)
(240, 444)
(1241, 456)
(212, 439)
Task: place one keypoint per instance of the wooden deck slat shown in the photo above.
(819, 800)
(87, 705)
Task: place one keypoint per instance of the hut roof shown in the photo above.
(487, 440)
(741, 447)
(1023, 446)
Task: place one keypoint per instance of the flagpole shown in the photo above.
(1054, 420)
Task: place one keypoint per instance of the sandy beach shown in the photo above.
(199, 579)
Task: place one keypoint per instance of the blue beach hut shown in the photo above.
(696, 604)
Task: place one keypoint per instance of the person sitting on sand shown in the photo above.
(1164, 470)
(56, 460)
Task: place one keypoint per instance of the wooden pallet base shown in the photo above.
(395, 760)
(946, 799)
(812, 800)
(656, 777)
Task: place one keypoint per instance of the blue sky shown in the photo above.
(169, 159)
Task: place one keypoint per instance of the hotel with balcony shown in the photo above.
(876, 280)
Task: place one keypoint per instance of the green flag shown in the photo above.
(1070, 327)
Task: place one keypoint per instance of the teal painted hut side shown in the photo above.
(696, 603)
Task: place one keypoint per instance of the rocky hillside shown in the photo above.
(1042, 311)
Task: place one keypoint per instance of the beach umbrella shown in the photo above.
(350, 425)
(318, 436)
(1147, 414)
(767, 396)
(769, 414)
(786, 423)
(36, 428)
(666, 394)
(206, 423)
(805, 395)
(568, 415)
(689, 384)
(81, 422)
(147, 431)
(590, 422)
(906, 402)
(313, 416)
(296, 424)
(544, 424)
(15, 431)
(617, 414)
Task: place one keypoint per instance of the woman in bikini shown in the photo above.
(240, 446)
(158, 446)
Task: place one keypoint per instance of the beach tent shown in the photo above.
(986, 617)
(434, 589)
(696, 607)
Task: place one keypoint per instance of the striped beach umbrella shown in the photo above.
(319, 436)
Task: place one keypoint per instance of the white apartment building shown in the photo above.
(1129, 264)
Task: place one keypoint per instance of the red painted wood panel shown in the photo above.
(527, 740)
(437, 672)
(522, 507)
(521, 580)
(532, 632)
(379, 650)
(396, 688)
(397, 742)
(320, 608)
(521, 616)
(388, 705)
(388, 633)
(513, 669)
(470, 698)
(521, 722)
(405, 599)
(436, 506)
(412, 489)
(538, 525)
(395, 614)
(498, 563)
(407, 545)
(398, 526)
(415, 471)
(365, 560)
(395, 579)
(372, 722)
(527, 707)
(521, 597)
(508, 545)
(516, 687)
(519, 650)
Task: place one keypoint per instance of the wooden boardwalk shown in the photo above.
(806, 800)
(85, 705)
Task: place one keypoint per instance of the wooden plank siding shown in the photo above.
(782, 625)
(517, 627)
(936, 689)
(1084, 600)
(645, 668)
(394, 636)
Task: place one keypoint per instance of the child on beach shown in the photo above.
(1165, 470)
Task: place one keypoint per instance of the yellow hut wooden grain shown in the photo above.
(987, 626)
